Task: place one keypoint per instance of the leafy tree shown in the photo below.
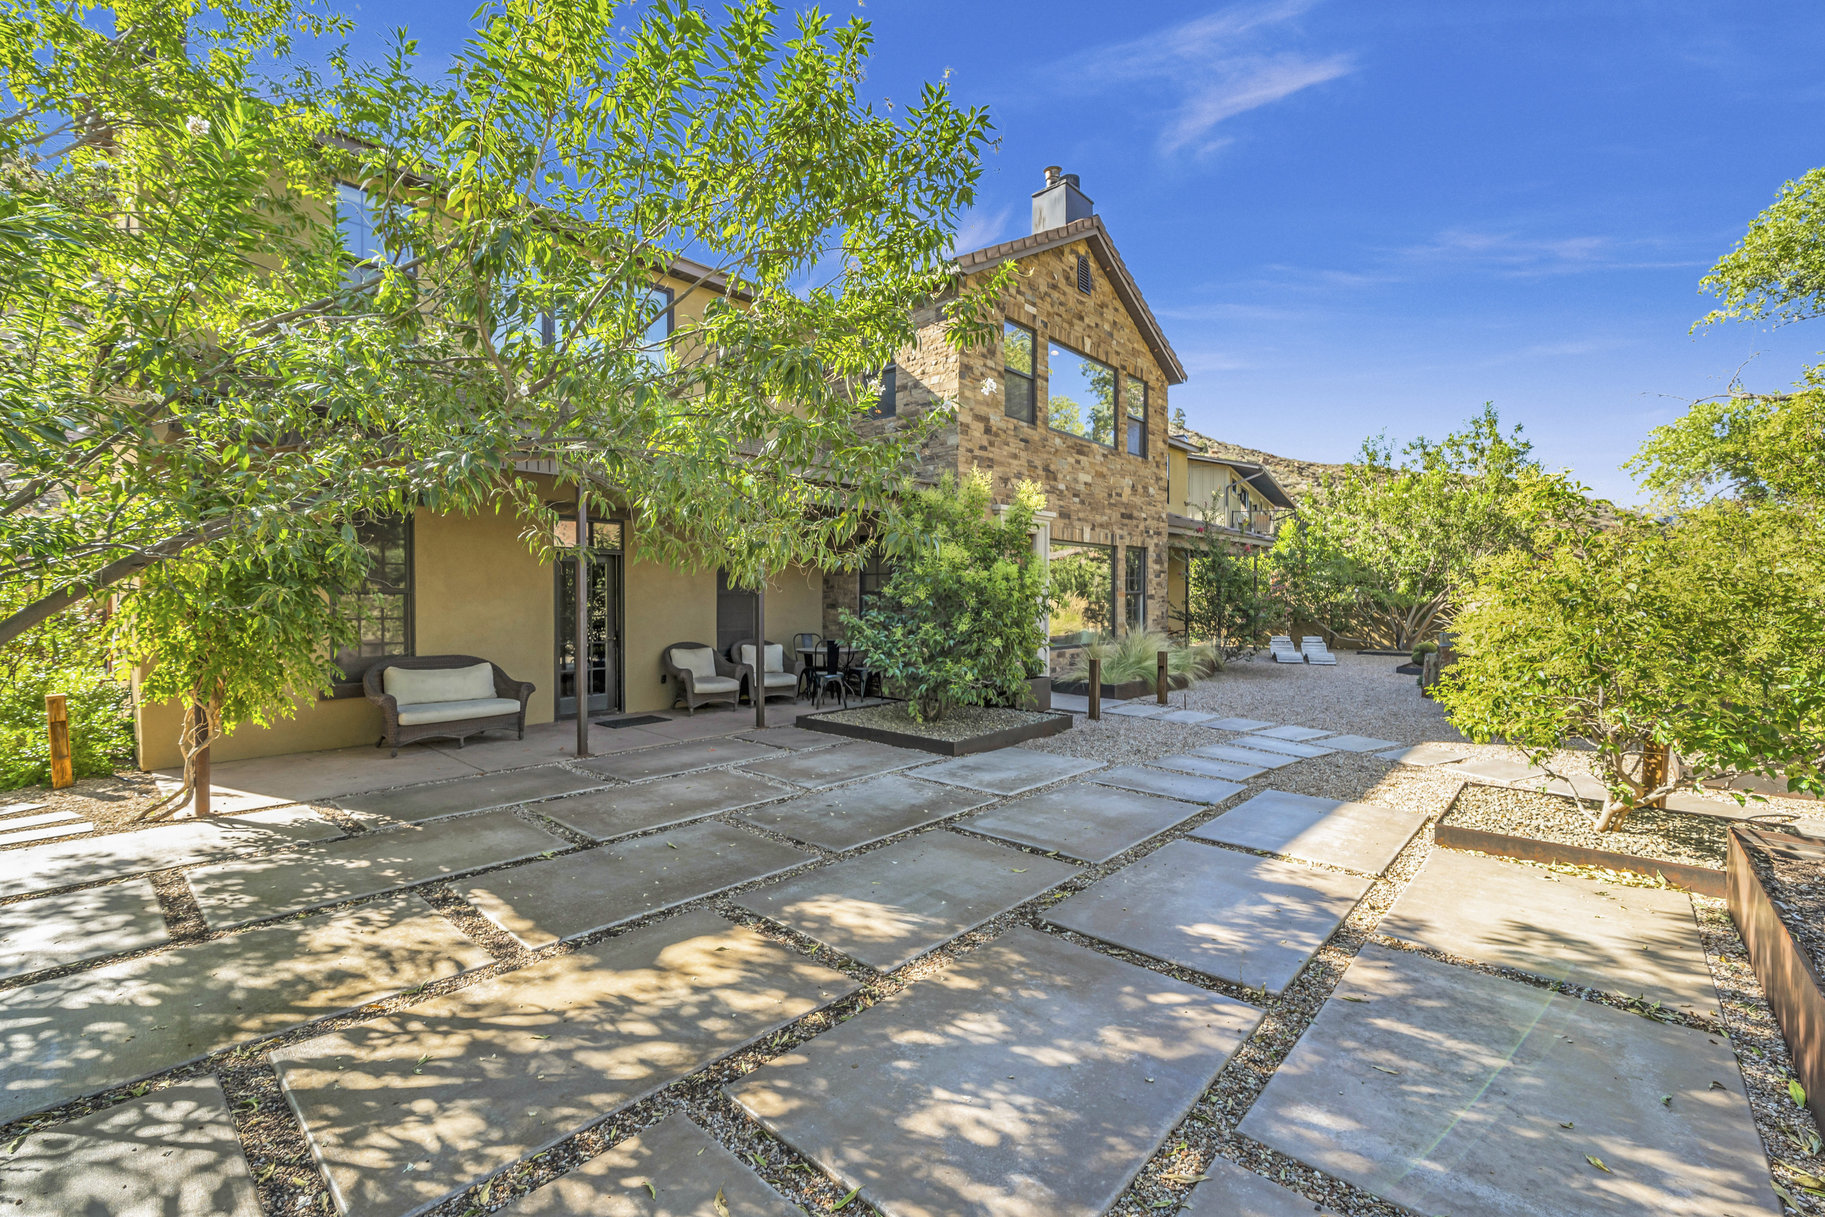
(188, 356)
(958, 622)
(1777, 271)
(65, 655)
(1223, 601)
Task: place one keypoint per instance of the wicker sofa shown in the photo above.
(700, 675)
(444, 697)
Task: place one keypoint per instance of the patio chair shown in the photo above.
(1280, 646)
(802, 643)
(781, 672)
(700, 675)
(1316, 651)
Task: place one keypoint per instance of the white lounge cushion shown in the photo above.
(417, 685)
(714, 684)
(1325, 658)
(776, 658)
(1288, 657)
(700, 662)
(419, 713)
(781, 680)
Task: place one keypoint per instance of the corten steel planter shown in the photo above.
(1132, 690)
(1700, 880)
(1793, 986)
(1052, 724)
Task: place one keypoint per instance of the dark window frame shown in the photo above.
(1063, 549)
(1134, 586)
(1010, 375)
(887, 405)
(872, 577)
(1114, 405)
(351, 683)
(1136, 441)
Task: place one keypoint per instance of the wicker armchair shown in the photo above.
(455, 718)
(783, 683)
(696, 688)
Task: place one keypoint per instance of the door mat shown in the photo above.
(637, 720)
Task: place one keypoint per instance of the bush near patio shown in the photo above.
(64, 655)
(1135, 655)
(1224, 605)
(960, 619)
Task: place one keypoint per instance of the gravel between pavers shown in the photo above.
(1670, 836)
(962, 723)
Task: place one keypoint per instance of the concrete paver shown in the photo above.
(1214, 767)
(44, 868)
(620, 810)
(171, 1154)
(852, 816)
(1253, 757)
(64, 1038)
(1359, 743)
(1285, 747)
(793, 739)
(845, 763)
(55, 930)
(1426, 754)
(891, 905)
(1074, 703)
(1236, 724)
(1030, 1077)
(484, 792)
(1188, 787)
(597, 888)
(235, 893)
(1291, 733)
(404, 1110)
(1230, 1191)
(1190, 718)
(1357, 836)
(1498, 770)
(669, 759)
(1008, 770)
(1083, 821)
(1234, 916)
(1450, 1091)
(1137, 709)
(687, 1172)
(1622, 940)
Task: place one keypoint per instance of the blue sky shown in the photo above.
(1357, 217)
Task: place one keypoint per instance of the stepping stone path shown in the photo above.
(1449, 1091)
(1623, 940)
(669, 759)
(55, 930)
(1029, 1077)
(171, 1154)
(1230, 1191)
(846, 763)
(1254, 757)
(1498, 771)
(1266, 743)
(45, 868)
(1137, 709)
(621, 810)
(1090, 823)
(1358, 743)
(1190, 718)
(1291, 733)
(891, 905)
(75, 1035)
(598, 888)
(852, 816)
(18, 824)
(235, 893)
(1186, 787)
(793, 739)
(1234, 916)
(1214, 767)
(499, 1071)
(1425, 754)
(1355, 836)
(687, 1174)
(1008, 770)
(1236, 724)
(484, 792)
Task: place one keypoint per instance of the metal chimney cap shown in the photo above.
(1054, 175)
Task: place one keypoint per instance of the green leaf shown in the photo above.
(844, 1202)
(1598, 1163)
(1796, 1092)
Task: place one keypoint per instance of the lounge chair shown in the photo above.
(1281, 647)
(700, 675)
(1316, 651)
(781, 670)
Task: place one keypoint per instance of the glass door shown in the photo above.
(602, 657)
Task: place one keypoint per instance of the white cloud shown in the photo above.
(980, 229)
(1514, 254)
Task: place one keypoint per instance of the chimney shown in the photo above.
(1060, 202)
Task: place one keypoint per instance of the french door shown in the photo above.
(601, 667)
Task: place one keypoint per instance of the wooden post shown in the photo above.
(1655, 763)
(760, 653)
(1159, 680)
(201, 765)
(582, 639)
(1096, 687)
(57, 718)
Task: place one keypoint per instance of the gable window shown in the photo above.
(1134, 586)
(1083, 274)
(1080, 395)
(380, 606)
(358, 216)
(1134, 399)
(1017, 364)
(887, 405)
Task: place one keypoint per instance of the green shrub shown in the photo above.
(1135, 656)
(64, 655)
(1423, 649)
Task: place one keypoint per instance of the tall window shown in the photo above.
(1134, 399)
(1083, 578)
(874, 576)
(887, 405)
(1017, 364)
(1134, 587)
(1080, 395)
(358, 215)
(380, 606)
(658, 306)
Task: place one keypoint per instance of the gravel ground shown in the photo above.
(113, 804)
(959, 724)
(1671, 836)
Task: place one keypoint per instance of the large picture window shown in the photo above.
(1080, 395)
(358, 221)
(1134, 586)
(380, 606)
(1083, 577)
(1134, 399)
(1017, 346)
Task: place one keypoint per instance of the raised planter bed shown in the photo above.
(1127, 691)
(1704, 880)
(979, 729)
(1788, 970)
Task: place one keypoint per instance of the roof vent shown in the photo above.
(1083, 273)
(1060, 202)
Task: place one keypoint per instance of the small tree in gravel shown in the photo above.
(959, 622)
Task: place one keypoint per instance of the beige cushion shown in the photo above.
(776, 657)
(700, 662)
(781, 680)
(714, 684)
(438, 684)
(455, 711)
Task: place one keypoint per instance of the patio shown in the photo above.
(787, 970)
